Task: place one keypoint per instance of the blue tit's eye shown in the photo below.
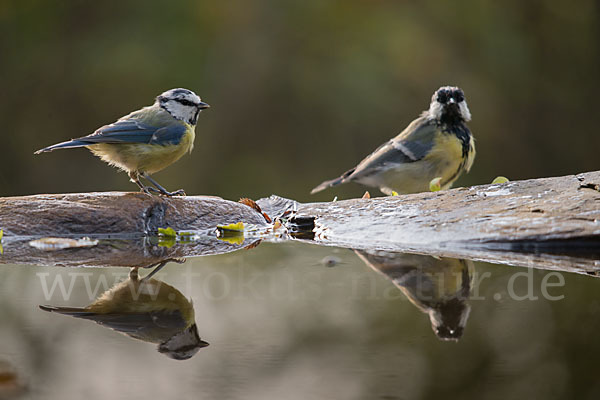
(185, 102)
(459, 96)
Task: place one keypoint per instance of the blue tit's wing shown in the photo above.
(134, 131)
(128, 131)
(126, 322)
(135, 322)
(412, 145)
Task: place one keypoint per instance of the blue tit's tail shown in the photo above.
(74, 311)
(64, 145)
(333, 182)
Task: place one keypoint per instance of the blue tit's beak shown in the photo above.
(451, 101)
(202, 106)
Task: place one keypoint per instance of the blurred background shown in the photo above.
(300, 90)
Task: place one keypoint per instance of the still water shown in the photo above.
(300, 321)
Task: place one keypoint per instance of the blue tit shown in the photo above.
(147, 140)
(438, 144)
(148, 310)
(439, 287)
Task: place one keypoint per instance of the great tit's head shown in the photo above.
(182, 104)
(448, 105)
(449, 318)
(183, 345)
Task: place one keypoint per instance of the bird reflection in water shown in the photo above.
(440, 287)
(146, 309)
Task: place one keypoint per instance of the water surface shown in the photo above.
(297, 321)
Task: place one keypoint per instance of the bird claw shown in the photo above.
(151, 190)
(179, 192)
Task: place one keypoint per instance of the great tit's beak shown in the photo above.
(202, 106)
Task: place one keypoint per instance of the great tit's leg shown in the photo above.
(134, 176)
(159, 189)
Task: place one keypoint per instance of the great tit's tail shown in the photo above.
(64, 145)
(333, 182)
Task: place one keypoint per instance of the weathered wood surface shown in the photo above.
(546, 223)
(122, 221)
(551, 223)
(118, 214)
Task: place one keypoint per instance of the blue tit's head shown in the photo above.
(448, 105)
(182, 104)
(183, 345)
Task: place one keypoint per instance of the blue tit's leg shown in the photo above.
(158, 266)
(159, 189)
(134, 176)
(133, 274)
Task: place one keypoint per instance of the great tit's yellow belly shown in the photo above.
(445, 160)
(143, 157)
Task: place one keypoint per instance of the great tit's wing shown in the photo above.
(414, 143)
(128, 131)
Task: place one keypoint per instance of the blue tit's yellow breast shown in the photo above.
(143, 157)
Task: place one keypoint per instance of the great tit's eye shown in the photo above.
(442, 97)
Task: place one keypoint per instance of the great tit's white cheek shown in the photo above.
(436, 109)
(464, 110)
(465, 316)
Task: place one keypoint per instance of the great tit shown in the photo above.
(147, 140)
(438, 144)
(439, 287)
(145, 309)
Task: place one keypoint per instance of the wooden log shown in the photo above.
(125, 225)
(117, 214)
(550, 223)
(546, 223)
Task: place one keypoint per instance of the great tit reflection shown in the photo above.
(146, 309)
(439, 287)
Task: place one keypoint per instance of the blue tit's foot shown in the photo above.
(151, 190)
(179, 192)
(159, 189)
